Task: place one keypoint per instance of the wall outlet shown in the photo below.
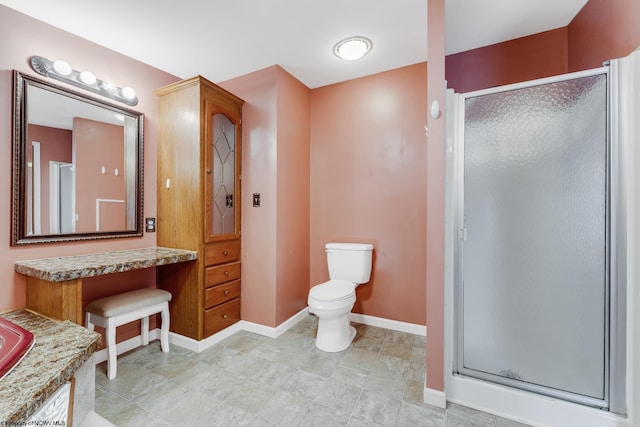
(150, 225)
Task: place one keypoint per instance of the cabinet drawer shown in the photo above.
(222, 293)
(221, 273)
(219, 317)
(219, 253)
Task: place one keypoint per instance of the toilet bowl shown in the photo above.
(332, 301)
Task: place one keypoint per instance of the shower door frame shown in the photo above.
(614, 398)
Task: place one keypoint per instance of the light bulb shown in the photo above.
(108, 87)
(87, 77)
(62, 67)
(128, 92)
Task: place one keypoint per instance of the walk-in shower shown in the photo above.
(538, 244)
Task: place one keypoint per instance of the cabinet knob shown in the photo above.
(226, 273)
(224, 316)
(226, 292)
(225, 253)
(209, 171)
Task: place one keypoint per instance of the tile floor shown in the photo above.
(252, 380)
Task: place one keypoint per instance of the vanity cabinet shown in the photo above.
(199, 154)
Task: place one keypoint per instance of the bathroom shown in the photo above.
(283, 256)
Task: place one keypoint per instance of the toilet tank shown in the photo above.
(349, 261)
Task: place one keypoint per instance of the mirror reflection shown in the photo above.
(79, 166)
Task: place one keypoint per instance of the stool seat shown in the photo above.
(113, 311)
(118, 304)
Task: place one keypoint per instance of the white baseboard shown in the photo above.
(200, 346)
(243, 325)
(436, 398)
(394, 325)
(270, 332)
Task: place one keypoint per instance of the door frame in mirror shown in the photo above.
(19, 235)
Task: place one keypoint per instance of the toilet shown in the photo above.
(332, 301)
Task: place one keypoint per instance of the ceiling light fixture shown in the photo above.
(61, 70)
(352, 48)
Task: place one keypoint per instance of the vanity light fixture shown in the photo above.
(62, 67)
(61, 70)
(352, 48)
(88, 78)
(109, 87)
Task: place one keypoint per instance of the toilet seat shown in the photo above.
(333, 290)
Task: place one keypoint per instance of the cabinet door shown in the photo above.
(222, 188)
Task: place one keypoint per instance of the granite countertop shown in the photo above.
(79, 266)
(61, 347)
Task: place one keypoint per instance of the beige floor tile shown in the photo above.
(251, 380)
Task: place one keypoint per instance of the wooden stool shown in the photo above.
(116, 310)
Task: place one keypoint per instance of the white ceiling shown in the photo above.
(225, 39)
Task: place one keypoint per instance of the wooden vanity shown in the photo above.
(199, 171)
(54, 285)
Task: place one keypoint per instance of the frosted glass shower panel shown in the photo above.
(534, 269)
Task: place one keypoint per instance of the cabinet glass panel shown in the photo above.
(223, 176)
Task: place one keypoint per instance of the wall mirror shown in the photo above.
(77, 166)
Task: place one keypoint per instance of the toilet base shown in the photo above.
(334, 335)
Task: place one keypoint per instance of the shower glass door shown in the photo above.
(532, 282)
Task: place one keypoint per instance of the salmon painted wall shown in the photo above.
(292, 268)
(275, 163)
(20, 38)
(603, 30)
(55, 145)
(368, 184)
(526, 58)
(259, 163)
(434, 165)
(97, 145)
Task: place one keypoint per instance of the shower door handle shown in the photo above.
(462, 234)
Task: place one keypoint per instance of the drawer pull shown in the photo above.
(226, 292)
(226, 273)
(225, 253)
(224, 316)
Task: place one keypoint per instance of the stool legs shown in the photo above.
(90, 326)
(164, 329)
(110, 324)
(112, 354)
(144, 330)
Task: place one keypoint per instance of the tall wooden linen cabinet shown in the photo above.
(199, 154)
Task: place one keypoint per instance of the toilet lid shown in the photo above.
(332, 290)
